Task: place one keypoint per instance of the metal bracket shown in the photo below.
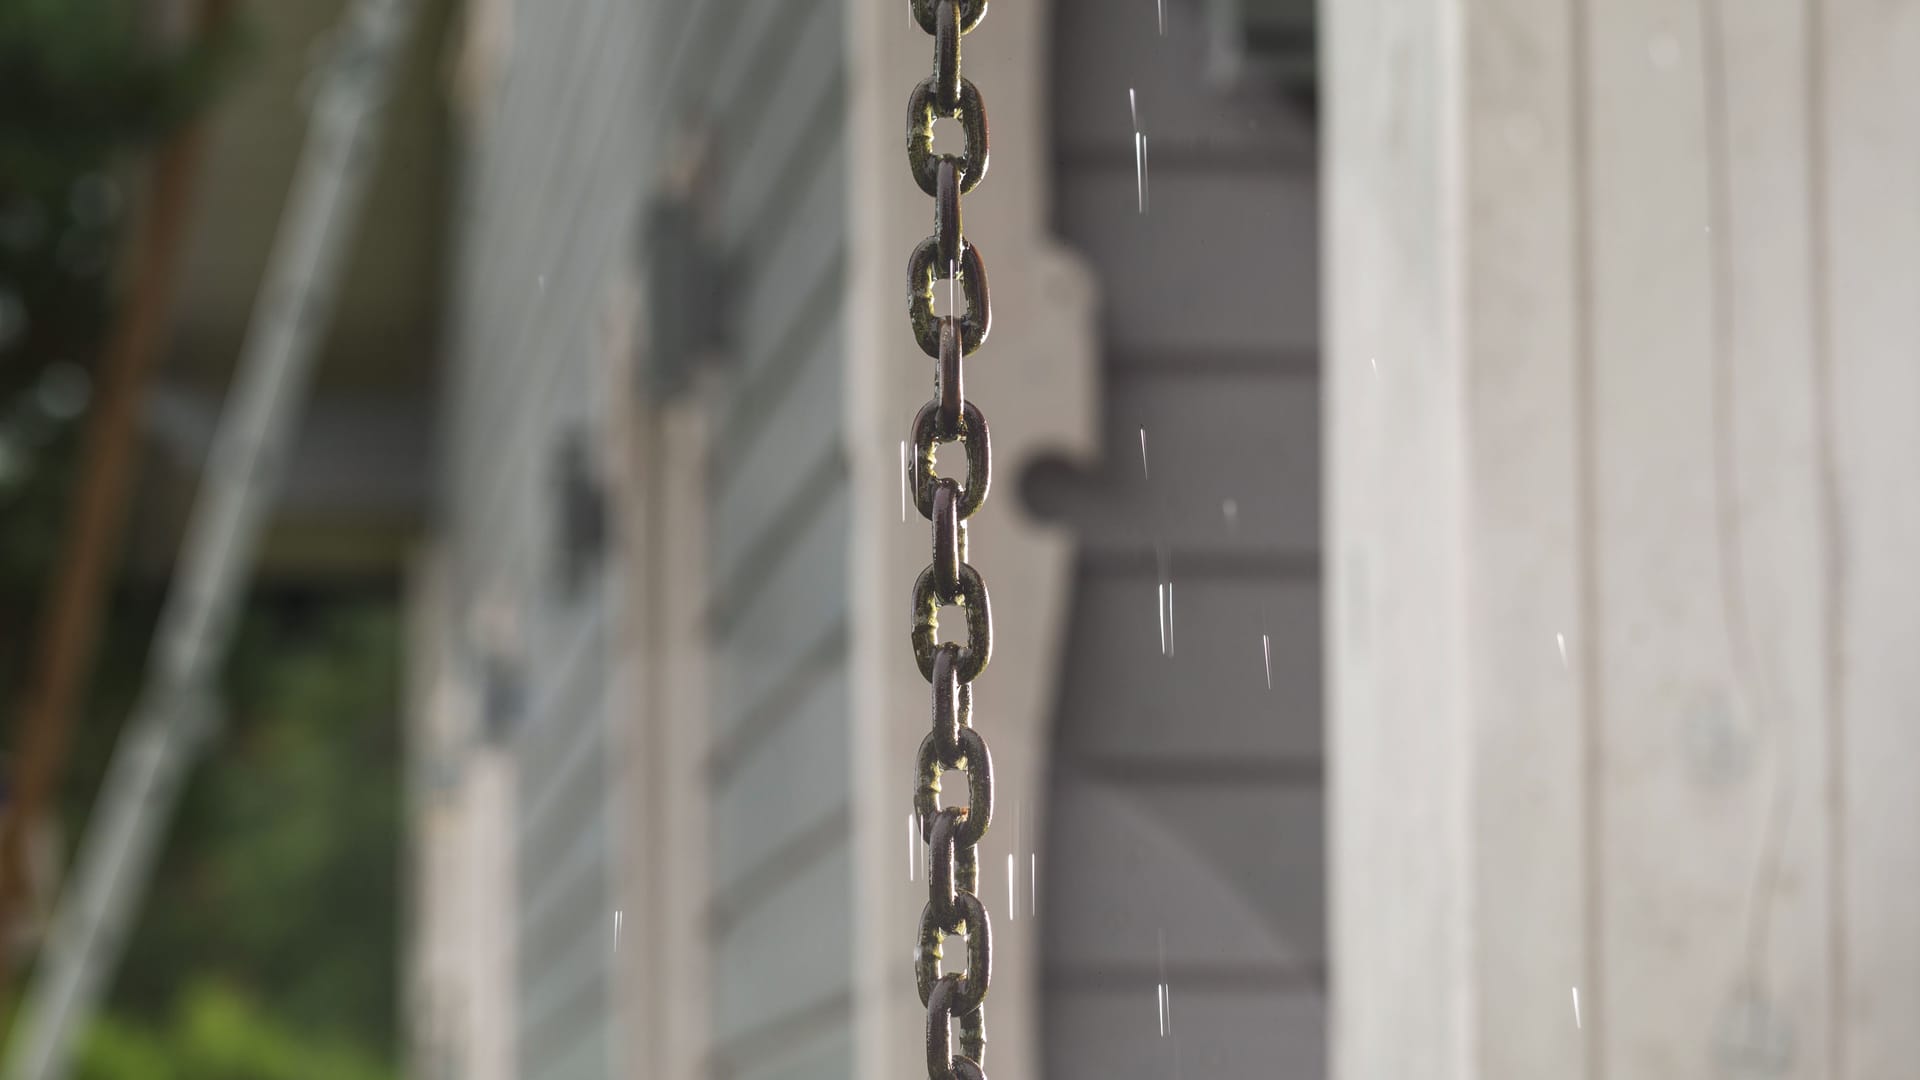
(686, 293)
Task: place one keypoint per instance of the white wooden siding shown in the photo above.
(1639, 277)
(769, 79)
(543, 229)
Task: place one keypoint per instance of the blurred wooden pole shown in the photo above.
(70, 620)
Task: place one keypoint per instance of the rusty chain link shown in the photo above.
(952, 833)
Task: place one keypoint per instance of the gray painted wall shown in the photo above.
(1185, 840)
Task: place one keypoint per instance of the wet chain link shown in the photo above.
(952, 833)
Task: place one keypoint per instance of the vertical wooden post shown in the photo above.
(1622, 412)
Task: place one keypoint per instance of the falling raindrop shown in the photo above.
(616, 929)
(1169, 615)
(1160, 609)
(1576, 1007)
(1164, 989)
(1561, 641)
(1266, 657)
(1140, 170)
(1146, 178)
(1013, 905)
(1144, 474)
(1139, 151)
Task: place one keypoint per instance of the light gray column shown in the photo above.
(1622, 446)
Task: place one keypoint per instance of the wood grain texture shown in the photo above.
(1867, 153)
(1685, 266)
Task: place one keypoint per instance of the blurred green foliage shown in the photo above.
(82, 80)
(274, 909)
(267, 946)
(219, 1034)
(83, 88)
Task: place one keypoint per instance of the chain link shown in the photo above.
(952, 833)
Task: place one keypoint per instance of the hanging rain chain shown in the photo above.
(952, 834)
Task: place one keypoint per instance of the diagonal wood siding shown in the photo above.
(769, 80)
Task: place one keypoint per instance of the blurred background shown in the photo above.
(1450, 549)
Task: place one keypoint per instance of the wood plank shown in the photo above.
(564, 888)
(756, 471)
(1109, 1035)
(1779, 537)
(1250, 438)
(1210, 700)
(562, 774)
(586, 1057)
(781, 274)
(567, 999)
(822, 1055)
(790, 950)
(796, 119)
(1220, 260)
(1662, 647)
(1399, 720)
(781, 614)
(1708, 544)
(738, 60)
(788, 780)
(1529, 782)
(1218, 877)
(1870, 224)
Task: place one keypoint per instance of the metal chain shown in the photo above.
(951, 833)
